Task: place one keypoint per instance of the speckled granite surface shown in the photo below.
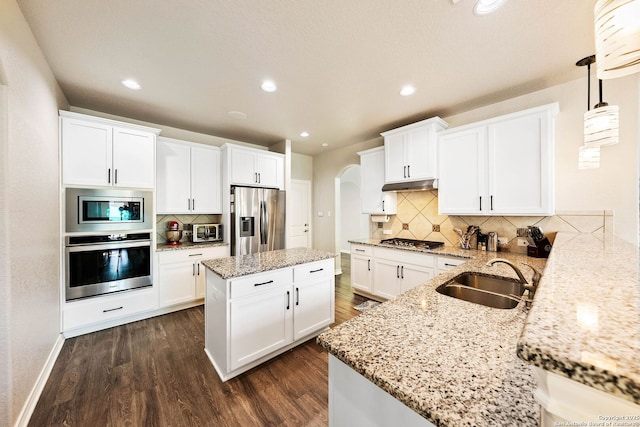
(189, 245)
(452, 361)
(237, 266)
(585, 321)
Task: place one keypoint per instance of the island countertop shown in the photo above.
(451, 361)
(236, 266)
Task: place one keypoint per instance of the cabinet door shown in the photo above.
(206, 196)
(413, 275)
(395, 166)
(242, 167)
(269, 170)
(86, 153)
(518, 166)
(260, 324)
(313, 309)
(374, 201)
(386, 278)
(177, 282)
(133, 158)
(172, 177)
(462, 183)
(361, 272)
(421, 154)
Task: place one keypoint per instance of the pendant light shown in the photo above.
(601, 125)
(617, 29)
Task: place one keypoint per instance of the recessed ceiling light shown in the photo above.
(325, 145)
(269, 86)
(407, 90)
(131, 84)
(238, 115)
(484, 7)
(304, 134)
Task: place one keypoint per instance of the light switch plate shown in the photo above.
(386, 231)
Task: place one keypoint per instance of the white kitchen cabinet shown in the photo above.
(374, 200)
(181, 275)
(501, 166)
(188, 178)
(253, 318)
(257, 168)
(446, 263)
(397, 271)
(313, 299)
(101, 152)
(362, 268)
(411, 151)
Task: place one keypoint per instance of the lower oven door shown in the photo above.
(104, 268)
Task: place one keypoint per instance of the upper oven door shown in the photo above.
(96, 210)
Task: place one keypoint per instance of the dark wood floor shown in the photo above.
(155, 373)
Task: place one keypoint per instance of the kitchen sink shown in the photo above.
(490, 291)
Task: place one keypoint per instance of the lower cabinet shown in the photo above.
(181, 276)
(361, 267)
(398, 271)
(386, 273)
(251, 319)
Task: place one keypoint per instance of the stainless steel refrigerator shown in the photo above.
(257, 220)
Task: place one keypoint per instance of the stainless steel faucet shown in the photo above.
(535, 279)
(510, 264)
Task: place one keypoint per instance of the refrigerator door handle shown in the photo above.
(263, 223)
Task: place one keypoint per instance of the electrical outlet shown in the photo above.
(504, 241)
(386, 231)
(522, 242)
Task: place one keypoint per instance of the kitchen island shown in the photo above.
(458, 363)
(259, 306)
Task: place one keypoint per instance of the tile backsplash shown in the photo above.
(162, 220)
(418, 218)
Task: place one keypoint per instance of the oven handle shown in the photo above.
(105, 246)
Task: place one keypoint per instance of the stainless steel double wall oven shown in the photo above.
(107, 241)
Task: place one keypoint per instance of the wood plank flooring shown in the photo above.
(155, 373)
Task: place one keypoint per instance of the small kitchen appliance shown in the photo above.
(206, 233)
(174, 234)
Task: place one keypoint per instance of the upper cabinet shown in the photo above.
(188, 178)
(252, 167)
(411, 151)
(501, 166)
(374, 200)
(101, 152)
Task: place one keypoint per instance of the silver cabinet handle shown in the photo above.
(112, 309)
(397, 271)
(115, 176)
(404, 171)
(109, 176)
(195, 255)
(369, 265)
(297, 296)
(288, 299)
(263, 283)
(409, 171)
(315, 271)
(193, 269)
(198, 269)
(359, 250)
(402, 272)
(193, 204)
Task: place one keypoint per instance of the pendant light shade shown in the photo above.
(617, 29)
(601, 126)
(588, 157)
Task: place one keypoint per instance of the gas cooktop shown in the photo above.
(410, 243)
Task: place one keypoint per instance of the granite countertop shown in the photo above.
(453, 251)
(585, 321)
(458, 363)
(451, 361)
(188, 245)
(236, 266)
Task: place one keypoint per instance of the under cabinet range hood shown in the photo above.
(426, 184)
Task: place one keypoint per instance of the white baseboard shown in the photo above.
(36, 391)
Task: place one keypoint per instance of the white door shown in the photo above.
(299, 214)
(395, 166)
(86, 153)
(172, 177)
(205, 180)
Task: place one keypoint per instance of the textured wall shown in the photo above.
(31, 266)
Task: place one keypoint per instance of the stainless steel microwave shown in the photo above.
(206, 233)
(91, 210)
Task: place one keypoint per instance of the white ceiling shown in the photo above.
(339, 64)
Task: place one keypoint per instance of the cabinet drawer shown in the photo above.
(182, 255)
(447, 263)
(260, 282)
(100, 309)
(313, 271)
(361, 250)
(405, 257)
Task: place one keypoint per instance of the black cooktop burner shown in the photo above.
(418, 244)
